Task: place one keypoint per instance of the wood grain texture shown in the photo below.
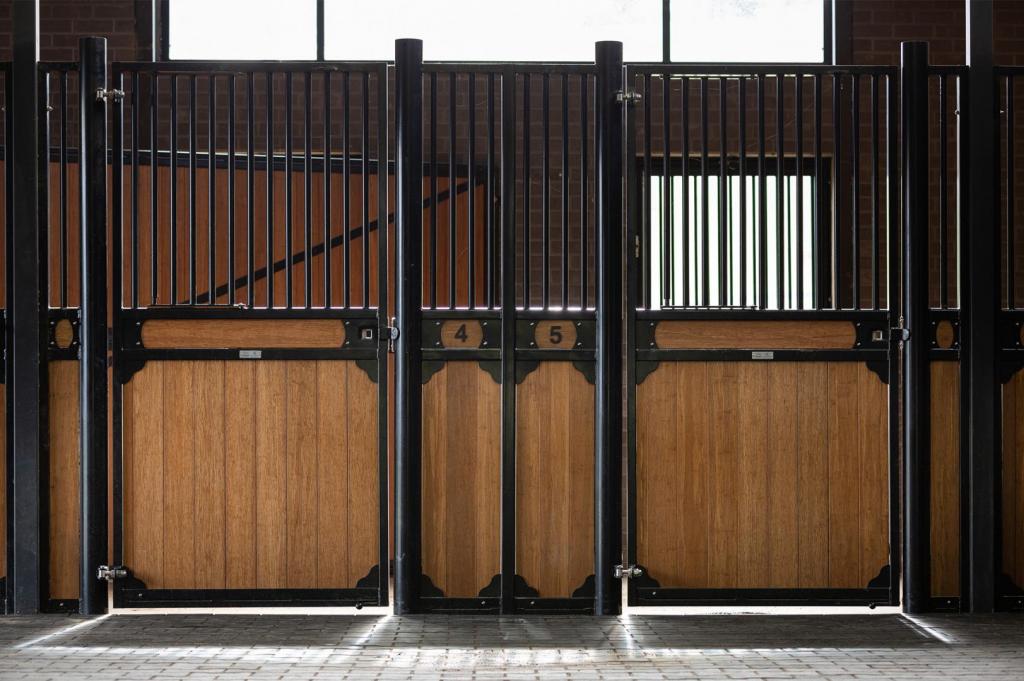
(461, 478)
(245, 475)
(243, 333)
(945, 479)
(555, 479)
(1013, 479)
(762, 475)
(754, 335)
(64, 470)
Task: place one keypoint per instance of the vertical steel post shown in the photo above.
(408, 370)
(981, 300)
(26, 326)
(917, 430)
(92, 365)
(610, 246)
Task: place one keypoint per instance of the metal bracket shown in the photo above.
(109, 95)
(628, 571)
(628, 97)
(900, 334)
(109, 574)
(393, 333)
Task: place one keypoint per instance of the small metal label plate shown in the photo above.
(250, 354)
(762, 354)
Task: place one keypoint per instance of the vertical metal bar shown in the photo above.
(646, 200)
(471, 257)
(982, 300)
(211, 158)
(307, 188)
(799, 236)
(489, 249)
(762, 204)
(231, 190)
(452, 194)
(270, 190)
(943, 197)
(347, 189)
(742, 107)
(93, 365)
(893, 249)
(723, 222)
(610, 246)
(855, 191)
(135, 191)
(527, 180)
(684, 237)
(914, 134)
(816, 199)
(384, 310)
(584, 191)
(780, 213)
(365, 133)
(250, 181)
(154, 190)
(408, 426)
(837, 204)
(1011, 260)
(327, 171)
(433, 190)
(26, 295)
(875, 144)
(565, 191)
(507, 241)
(545, 193)
(62, 119)
(173, 122)
(289, 243)
(192, 143)
(667, 222)
(705, 259)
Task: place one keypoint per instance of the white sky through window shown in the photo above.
(747, 30)
(242, 29)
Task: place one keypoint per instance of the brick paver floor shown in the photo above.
(479, 647)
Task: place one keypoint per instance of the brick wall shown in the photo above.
(63, 22)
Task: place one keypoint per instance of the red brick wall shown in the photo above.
(63, 22)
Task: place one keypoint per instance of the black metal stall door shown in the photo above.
(762, 403)
(250, 334)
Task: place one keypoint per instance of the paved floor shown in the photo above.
(440, 647)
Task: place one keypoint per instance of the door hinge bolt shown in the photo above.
(393, 334)
(628, 97)
(107, 573)
(103, 95)
(628, 571)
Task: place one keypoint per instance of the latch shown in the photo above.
(393, 334)
(628, 97)
(109, 574)
(103, 95)
(900, 334)
(628, 571)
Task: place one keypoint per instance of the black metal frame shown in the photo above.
(5, 370)
(642, 353)
(130, 354)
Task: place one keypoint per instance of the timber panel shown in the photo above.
(756, 335)
(461, 479)
(555, 479)
(1013, 479)
(762, 475)
(65, 457)
(246, 475)
(945, 479)
(243, 333)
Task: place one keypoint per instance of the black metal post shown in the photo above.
(610, 246)
(409, 188)
(26, 330)
(981, 299)
(93, 95)
(917, 430)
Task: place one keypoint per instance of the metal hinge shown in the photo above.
(107, 573)
(900, 334)
(103, 95)
(628, 97)
(636, 246)
(393, 334)
(628, 571)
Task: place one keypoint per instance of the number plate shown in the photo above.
(555, 334)
(762, 354)
(462, 334)
(250, 354)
